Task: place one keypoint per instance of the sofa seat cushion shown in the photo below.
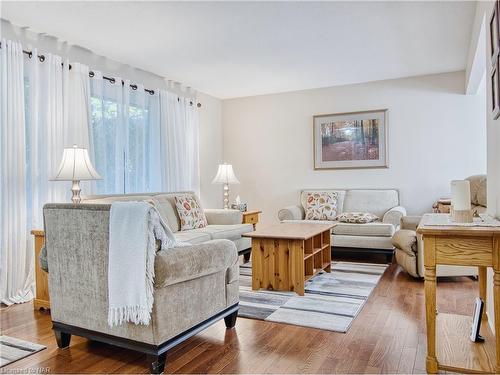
(226, 232)
(369, 229)
(194, 236)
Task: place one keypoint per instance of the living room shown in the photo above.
(250, 187)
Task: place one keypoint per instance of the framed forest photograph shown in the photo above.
(350, 140)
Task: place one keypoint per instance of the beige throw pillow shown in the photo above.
(321, 205)
(357, 217)
(190, 212)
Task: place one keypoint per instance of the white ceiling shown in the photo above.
(233, 49)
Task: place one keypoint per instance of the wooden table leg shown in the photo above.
(296, 270)
(496, 307)
(482, 289)
(430, 314)
(430, 302)
(257, 251)
(496, 297)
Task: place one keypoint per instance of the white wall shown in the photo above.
(484, 11)
(436, 134)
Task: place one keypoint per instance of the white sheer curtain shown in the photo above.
(142, 142)
(16, 281)
(179, 137)
(45, 107)
(58, 111)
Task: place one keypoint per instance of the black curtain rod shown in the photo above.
(41, 58)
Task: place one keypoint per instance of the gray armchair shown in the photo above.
(195, 286)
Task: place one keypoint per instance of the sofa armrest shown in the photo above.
(410, 222)
(405, 240)
(219, 216)
(291, 213)
(394, 215)
(185, 263)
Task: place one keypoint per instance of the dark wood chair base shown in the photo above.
(156, 354)
(63, 339)
(157, 363)
(230, 320)
(246, 254)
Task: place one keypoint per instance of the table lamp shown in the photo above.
(225, 175)
(460, 201)
(76, 166)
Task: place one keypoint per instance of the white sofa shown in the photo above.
(222, 224)
(374, 236)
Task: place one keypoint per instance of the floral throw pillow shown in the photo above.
(321, 205)
(357, 217)
(190, 212)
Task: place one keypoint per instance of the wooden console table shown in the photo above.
(285, 256)
(42, 300)
(448, 345)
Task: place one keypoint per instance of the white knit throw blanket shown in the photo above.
(133, 230)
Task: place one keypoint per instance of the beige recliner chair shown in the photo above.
(409, 247)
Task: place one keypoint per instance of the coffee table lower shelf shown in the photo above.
(456, 352)
(285, 256)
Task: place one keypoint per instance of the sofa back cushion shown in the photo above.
(340, 197)
(374, 201)
(164, 203)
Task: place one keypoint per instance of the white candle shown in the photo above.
(460, 195)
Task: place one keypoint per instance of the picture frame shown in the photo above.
(495, 100)
(494, 34)
(476, 321)
(351, 140)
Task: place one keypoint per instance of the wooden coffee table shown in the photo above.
(285, 256)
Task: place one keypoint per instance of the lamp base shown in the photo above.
(461, 216)
(75, 191)
(226, 196)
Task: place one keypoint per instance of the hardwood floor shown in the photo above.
(388, 336)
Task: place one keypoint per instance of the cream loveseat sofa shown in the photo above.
(194, 286)
(373, 237)
(222, 224)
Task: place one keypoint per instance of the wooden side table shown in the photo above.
(460, 246)
(42, 299)
(251, 217)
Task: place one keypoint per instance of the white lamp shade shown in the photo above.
(76, 166)
(225, 175)
(460, 195)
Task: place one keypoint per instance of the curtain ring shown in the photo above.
(30, 54)
(112, 80)
(41, 58)
(133, 87)
(91, 74)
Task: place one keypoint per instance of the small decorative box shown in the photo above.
(242, 207)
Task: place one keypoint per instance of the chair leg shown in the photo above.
(230, 320)
(157, 363)
(389, 258)
(246, 257)
(63, 339)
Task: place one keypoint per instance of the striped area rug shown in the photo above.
(12, 349)
(331, 300)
